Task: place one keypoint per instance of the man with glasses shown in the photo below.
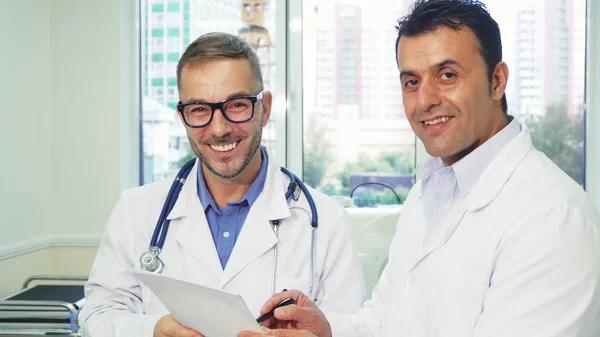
(222, 225)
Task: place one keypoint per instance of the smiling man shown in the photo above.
(231, 227)
(493, 239)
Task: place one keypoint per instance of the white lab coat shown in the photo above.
(519, 256)
(118, 305)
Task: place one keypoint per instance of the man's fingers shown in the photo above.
(185, 332)
(289, 333)
(268, 322)
(250, 334)
(296, 313)
(278, 298)
(277, 333)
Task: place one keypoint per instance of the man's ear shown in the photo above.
(499, 80)
(267, 103)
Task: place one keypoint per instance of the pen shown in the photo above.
(283, 303)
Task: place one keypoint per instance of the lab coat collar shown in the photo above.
(469, 169)
(256, 236)
(499, 171)
(274, 189)
(493, 177)
(490, 184)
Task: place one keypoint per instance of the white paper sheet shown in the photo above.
(212, 312)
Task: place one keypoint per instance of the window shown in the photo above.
(173, 7)
(367, 142)
(157, 93)
(157, 69)
(158, 32)
(354, 127)
(173, 17)
(158, 42)
(172, 94)
(165, 143)
(548, 78)
(174, 45)
(371, 140)
(158, 18)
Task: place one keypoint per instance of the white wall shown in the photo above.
(62, 127)
(25, 111)
(85, 129)
(61, 119)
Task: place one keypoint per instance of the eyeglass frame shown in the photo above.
(219, 105)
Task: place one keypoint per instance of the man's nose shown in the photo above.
(428, 96)
(219, 126)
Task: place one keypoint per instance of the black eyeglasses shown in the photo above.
(236, 110)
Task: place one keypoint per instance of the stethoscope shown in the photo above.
(150, 261)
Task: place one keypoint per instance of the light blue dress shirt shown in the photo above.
(442, 186)
(226, 223)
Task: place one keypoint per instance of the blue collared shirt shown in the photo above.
(442, 186)
(226, 223)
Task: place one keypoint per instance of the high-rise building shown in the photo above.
(550, 54)
(351, 82)
(576, 12)
(166, 33)
(353, 48)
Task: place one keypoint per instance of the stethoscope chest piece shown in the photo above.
(149, 261)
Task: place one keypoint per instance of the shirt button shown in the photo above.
(226, 234)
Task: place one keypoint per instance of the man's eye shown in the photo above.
(448, 76)
(410, 83)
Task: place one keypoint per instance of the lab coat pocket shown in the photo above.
(296, 283)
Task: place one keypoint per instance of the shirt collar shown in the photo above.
(249, 197)
(469, 169)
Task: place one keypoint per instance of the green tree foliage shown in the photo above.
(372, 198)
(317, 151)
(560, 136)
(397, 162)
(318, 154)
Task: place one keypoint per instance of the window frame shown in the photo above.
(592, 102)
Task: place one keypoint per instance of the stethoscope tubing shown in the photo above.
(162, 226)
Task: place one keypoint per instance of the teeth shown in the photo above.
(224, 148)
(437, 120)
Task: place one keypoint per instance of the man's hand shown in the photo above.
(278, 333)
(168, 326)
(304, 315)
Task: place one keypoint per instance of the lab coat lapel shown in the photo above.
(499, 171)
(491, 182)
(190, 227)
(443, 233)
(256, 236)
